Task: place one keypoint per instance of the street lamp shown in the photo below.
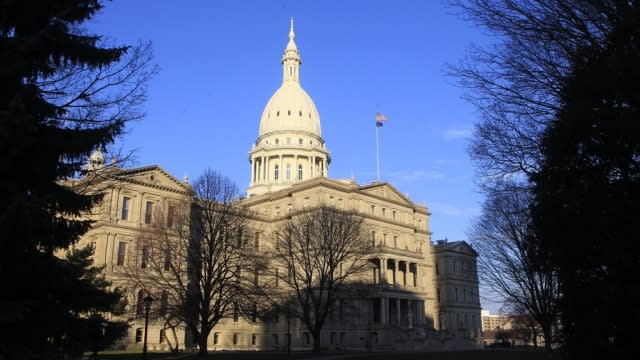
(147, 305)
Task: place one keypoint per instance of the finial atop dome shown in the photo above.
(291, 58)
(292, 42)
(96, 160)
(292, 35)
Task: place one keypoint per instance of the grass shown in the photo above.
(506, 354)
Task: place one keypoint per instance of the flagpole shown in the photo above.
(377, 154)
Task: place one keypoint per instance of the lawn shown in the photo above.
(506, 354)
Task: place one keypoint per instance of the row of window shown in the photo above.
(140, 332)
(162, 304)
(394, 214)
(288, 141)
(469, 296)
(334, 338)
(383, 212)
(148, 213)
(276, 173)
(145, 258)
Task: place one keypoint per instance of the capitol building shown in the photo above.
(424, 293)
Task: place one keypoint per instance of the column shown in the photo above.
(383, 270)
(253, 170)
(385, 309)
(410, 312)
(398, 313)
(416, 277)
(281, 173)
(381, 310)
(395, 271)
(404, 274)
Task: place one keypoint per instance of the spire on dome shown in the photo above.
(292, 35)
(291, 58)
(96, 160)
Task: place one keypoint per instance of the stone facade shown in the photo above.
(417, 287)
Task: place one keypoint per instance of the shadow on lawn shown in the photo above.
(448, 355)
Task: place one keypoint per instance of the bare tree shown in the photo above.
(509, 262)
(192, 258)
(516, 82)
(318, 254)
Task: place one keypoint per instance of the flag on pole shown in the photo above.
(380, 119)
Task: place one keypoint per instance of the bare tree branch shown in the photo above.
(316, 258)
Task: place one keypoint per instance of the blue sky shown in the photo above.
(220, 63)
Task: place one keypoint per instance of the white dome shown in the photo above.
(290, 109)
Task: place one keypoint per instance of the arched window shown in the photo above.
(276, 173)
(288, 174)
(300, 172)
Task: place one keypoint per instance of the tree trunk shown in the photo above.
(202, 344)
(316, 341)
(546, 334)
(175, 338)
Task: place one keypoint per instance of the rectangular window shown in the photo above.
(216, 337)
(122, 250)
(126, 205)
(254, 339)
(236, 313)
(162, 336)
(275, 339)
(256, 241)
(148, 215)
(438, 294)
(373, 238)
(167, 260)
(254, 313)
(235, 339)
(171, 214)
(164, 303)
(146, 256)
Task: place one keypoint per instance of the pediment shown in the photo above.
(153, 176)
(387, 192)
(459, 247)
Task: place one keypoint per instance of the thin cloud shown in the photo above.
(455, 134)
(416, 175)
(452, 210)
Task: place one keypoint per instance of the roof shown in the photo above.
(460, 246)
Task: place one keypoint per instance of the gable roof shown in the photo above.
(455, 246)
(152, 175)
